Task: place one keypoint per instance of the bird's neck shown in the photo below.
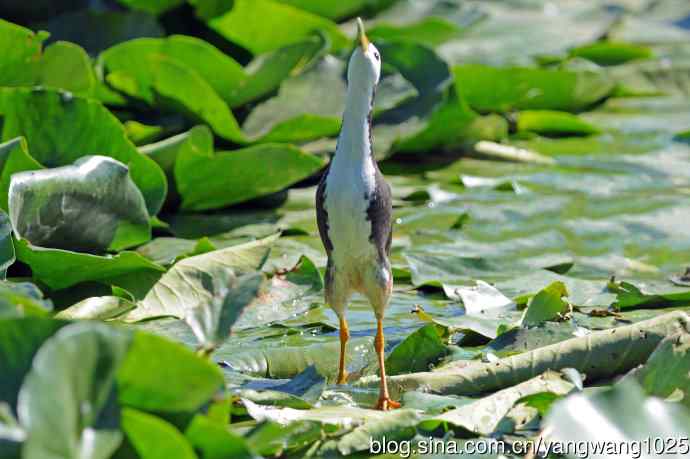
(354, 142)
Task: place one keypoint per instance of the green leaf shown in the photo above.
(92, 205)
(286, 295)
(491, 89)
(265, 25)
(181, 88)
(133, 58)
(623, 411)
(666, 373)
(152, 6)
(140, 133)
(216, 441)
(553, 123)
(267, 71)
(20, 339)
(7, 256)
(417, 352)
(165, 377)
(60, 128)
(289, 361)
(548, 304)
(256, 171)
(22, 299)
(61, 65)
(62, 268)
(20, 49)
(396, 425)
(168, 250)
(14, 157)
(629, 296)
(65, 65)
(189, 283)
(321, 95)
(68, 402)
(333, 9)
(154, 438)
(430, 31)
(212, 321)
(97, 308)
(612, 53)
(483, 416)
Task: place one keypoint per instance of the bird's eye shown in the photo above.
(376, 55)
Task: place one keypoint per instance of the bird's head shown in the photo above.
(365, 63)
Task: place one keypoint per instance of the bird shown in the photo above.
(354, 211)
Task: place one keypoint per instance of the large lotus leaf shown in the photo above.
(165, 153)
(152, 6)
(90, 206)
(60, 269)
(68, 401)
(212, 321)
(165, 377)
(20, 339)
(554, 123)
(483, 416)
(493, 39)
(168, 250)
(430, 31)
(268, 70)
(61, 128)
(666, 373)
(289, 361)
(321, 92)
(65, 65)
(335, 9)
(62, 64)
(97, 29)
(14, 157)
(179, 87)
(20, 49)
(395, 426)
(654, 77)
(249, 173)
(215, 441)
(97, 307)
(22, 299)
(618, 416)
(418, 351)
(287, 294)
(547, 304)
(189, 283)
(612, 53)
(153, 438)
(266, 25)
(492, 89)
(437, 117)
(133, 58)
(6, 245)
(629, 296)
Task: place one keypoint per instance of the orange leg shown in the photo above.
(344, 336)
(385, 403)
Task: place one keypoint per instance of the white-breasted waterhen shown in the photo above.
(353, 210)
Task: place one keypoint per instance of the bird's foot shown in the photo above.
(385, 404)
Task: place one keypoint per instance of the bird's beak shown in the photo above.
(363, 40)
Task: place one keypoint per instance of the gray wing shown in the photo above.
(380, 214)
(321, 214)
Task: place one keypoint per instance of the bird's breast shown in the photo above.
(349, 188)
